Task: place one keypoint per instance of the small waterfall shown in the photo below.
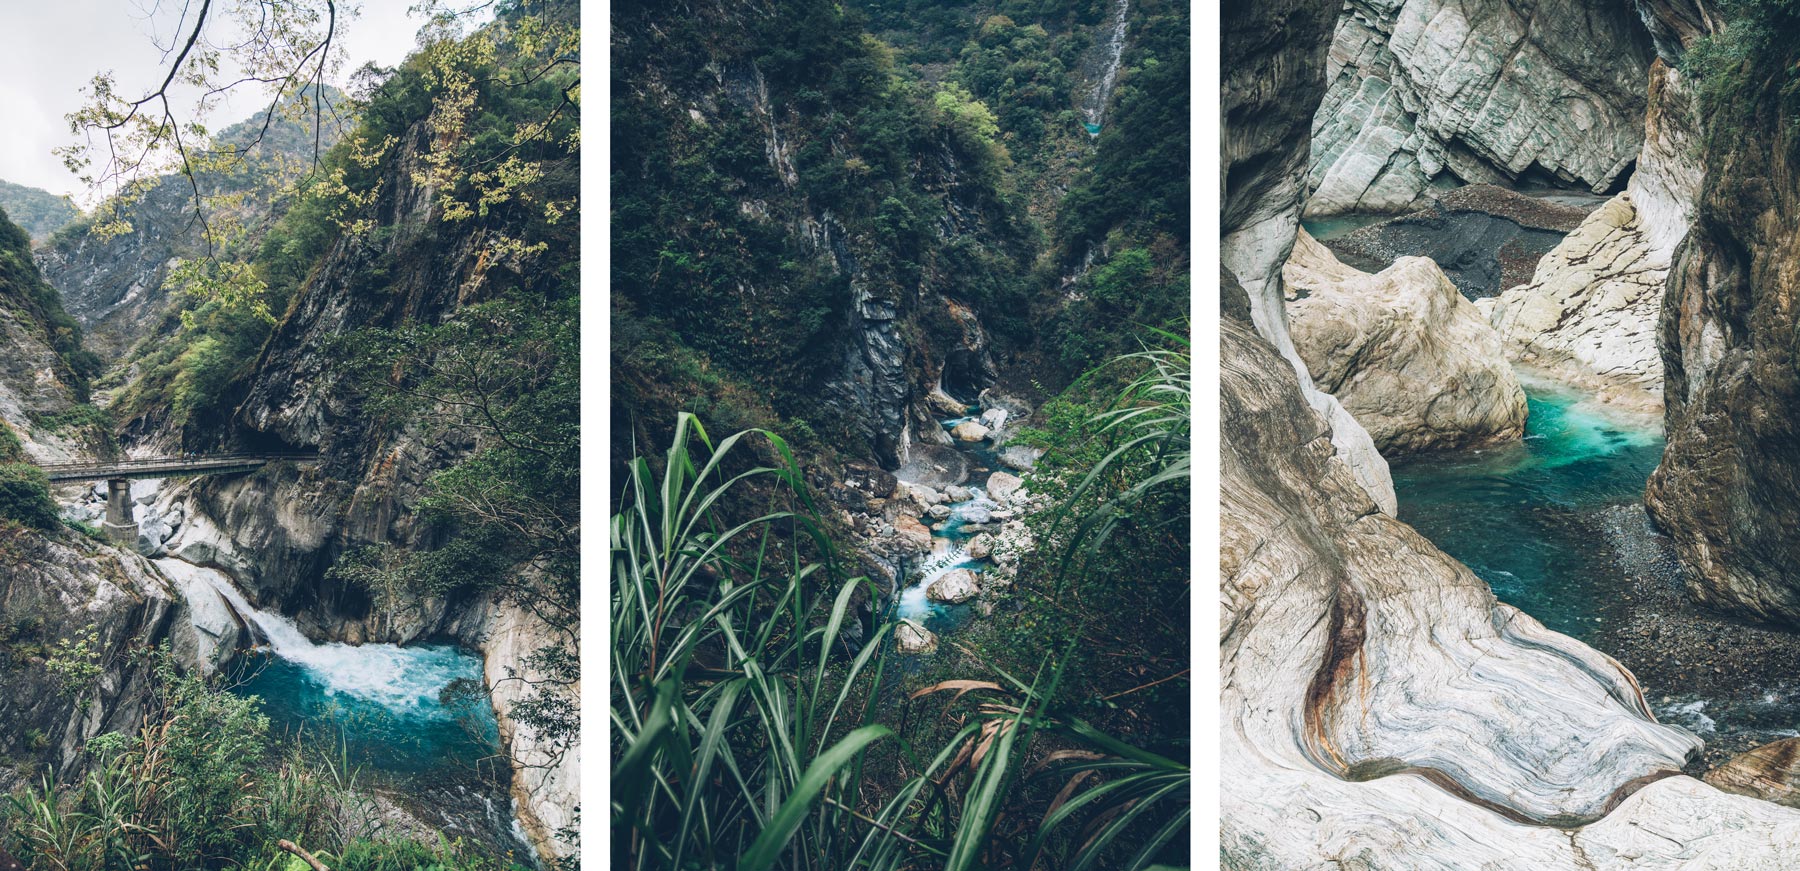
(406, 681)
(1108, 54)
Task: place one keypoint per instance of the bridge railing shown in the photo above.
(174, 465)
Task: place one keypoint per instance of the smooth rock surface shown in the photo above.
(1377, 702)
(1002, 486)
(1770, 772)
(1412, 360)
(1271, 80)
(969, 431)
(1589, 314)
(912, 637)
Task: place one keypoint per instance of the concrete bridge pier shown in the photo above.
(120, 524)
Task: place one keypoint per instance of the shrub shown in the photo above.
(25, 496)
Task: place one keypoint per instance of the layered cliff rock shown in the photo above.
(1428, 91)
(1272, 81)
(1728, 485)
(1413, 361)
(1589, 315)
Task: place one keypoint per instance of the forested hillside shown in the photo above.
(899, 300)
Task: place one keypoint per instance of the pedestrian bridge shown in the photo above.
(120, 524)
(170, 467)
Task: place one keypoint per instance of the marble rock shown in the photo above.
(1408, 356)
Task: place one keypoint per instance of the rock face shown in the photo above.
(969, 431)
(1770, 772)
(1728, 489)
(1475, 91)
(1377, 702)
(1414, 362)
(37, 381)
(911, 636)
(1271, 81)
(1589, 315)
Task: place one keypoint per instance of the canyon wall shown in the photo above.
(1728, 485)
(1424, 92)
(1379, 707)
(1273, 68)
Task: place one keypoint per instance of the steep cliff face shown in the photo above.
(811, 221)
(39, 381)
(1589, 315)
(60, 586)
(1726, 489)
(1425, 91)
(113, 282)
(1273, 79)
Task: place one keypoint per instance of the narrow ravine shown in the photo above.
(1555, 524)
(1108, 51)
(950, 537)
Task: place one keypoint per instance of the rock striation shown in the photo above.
(1272, 80)
(1412, 360)
(1728, 489)
(1377, 702)
(1423, 92)
(1589, 315)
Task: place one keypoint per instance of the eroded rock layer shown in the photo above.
(1429, 91)
(1589, 314)
(1273, 58)
(1380, 707)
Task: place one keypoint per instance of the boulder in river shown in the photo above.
(981, 546)
(958, 493)
(1770, 772)
(1589, 314)
(911, 532)
(923, 495)
(1002, 486)
(976, 514)
(939, 511)
(954, 586)
(1412, 360)
(1016, 409)
(1020, 457)
(969, 431)
(913, 637)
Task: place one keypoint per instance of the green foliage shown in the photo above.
(23, 290)
(1745, 76)
(751, 724)
(11, 449)
(197, 787)
(75, 662)
(25, 496)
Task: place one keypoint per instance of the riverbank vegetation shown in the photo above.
(758, 723)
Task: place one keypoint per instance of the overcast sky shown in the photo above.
(50, 50)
